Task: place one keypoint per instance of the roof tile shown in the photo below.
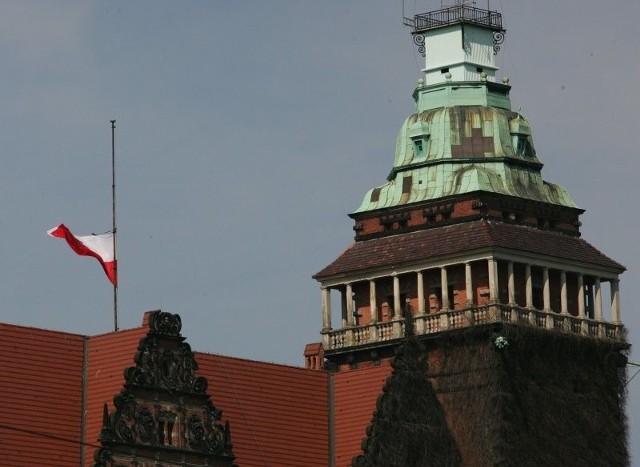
(41, 386)
(458, 238)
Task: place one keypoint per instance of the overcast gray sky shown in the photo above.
(247, 130)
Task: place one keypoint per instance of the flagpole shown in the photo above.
(113, 211)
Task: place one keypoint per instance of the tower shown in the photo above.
(466, 247)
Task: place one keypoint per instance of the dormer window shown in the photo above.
(420, 145)
(419, 133)
(522, 147)
(521, 137)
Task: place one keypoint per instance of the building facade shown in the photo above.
(465, 325)
(469, 269)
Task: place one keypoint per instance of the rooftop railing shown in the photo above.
(457, 319)
(455, 14)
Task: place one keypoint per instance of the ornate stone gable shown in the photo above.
(163, 414)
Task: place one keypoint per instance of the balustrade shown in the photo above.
(386, 331)
(476, 315)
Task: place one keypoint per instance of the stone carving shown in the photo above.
(163, 404)
(172, 369)
(165, 323)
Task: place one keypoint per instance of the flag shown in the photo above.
(98, 246)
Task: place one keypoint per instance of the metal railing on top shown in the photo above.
(452, 15)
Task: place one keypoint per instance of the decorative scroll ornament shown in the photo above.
(165, 323)
(498, 39)
(418, 39)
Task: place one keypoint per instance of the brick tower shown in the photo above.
(469, 254)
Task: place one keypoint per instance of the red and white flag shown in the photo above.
(98, 246)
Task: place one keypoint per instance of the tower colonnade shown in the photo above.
(474, 290)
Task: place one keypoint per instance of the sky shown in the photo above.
(248, 130)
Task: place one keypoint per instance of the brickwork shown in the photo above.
(460, 209)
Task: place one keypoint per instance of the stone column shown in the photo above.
(421, 305)
(529, 286)
(580, 296)
(512, 284)
(468, 282)
(492, 264)
(615, 301)
(326, 308)
(546, 290)
(584, 326)
(349, 299)
(397, 306)
(445, 305)
(563, 293)
(444, 289)
(598, 300)
(373, 301)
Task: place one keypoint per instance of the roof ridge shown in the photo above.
(250, 360)
(35, 328)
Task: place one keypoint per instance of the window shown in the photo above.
(522, 146)
(420, 145)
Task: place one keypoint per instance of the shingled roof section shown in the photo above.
(278, 413)
(107, 357)
(354, 399)
(454, 239)
(40, 407)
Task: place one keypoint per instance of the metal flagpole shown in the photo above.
(113, 207)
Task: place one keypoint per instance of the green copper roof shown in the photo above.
(453, 93)
(456, 149)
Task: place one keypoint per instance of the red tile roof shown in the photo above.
(355, 395)
(312, 349)
(108, 356)
(459, 238)
(278, 413)
(41, 387)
